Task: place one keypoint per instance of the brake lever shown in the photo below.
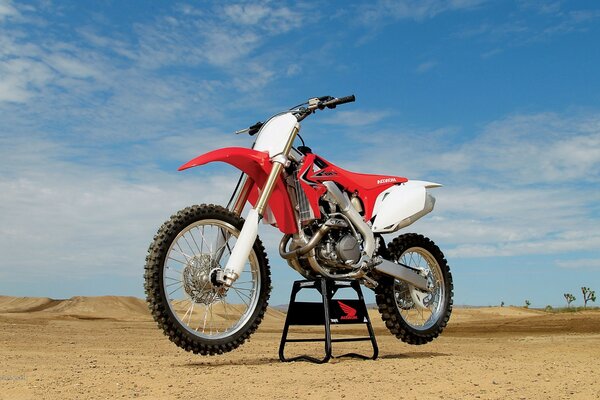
(252, 130)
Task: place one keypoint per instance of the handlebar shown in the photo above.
(336, 102)
(301, 112)
(321, 103)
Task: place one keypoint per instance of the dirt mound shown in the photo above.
(273, 314)
(511, 320)
(466, 314)
(464, 321)
(9, 304)
(115, 307)
(111, 307)
(102, 307)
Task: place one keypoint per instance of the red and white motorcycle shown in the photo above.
(207, 276)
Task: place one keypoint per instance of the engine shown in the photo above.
(339, 249)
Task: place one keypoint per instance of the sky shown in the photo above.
(101, 102)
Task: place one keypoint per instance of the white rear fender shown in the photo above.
(401, 205)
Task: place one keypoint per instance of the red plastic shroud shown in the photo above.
(314, 171)
(366, 186)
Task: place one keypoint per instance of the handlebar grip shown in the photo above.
(347, 99)
(342, 100)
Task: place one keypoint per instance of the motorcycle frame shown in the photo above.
(265, 188)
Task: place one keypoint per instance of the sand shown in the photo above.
(109, 347)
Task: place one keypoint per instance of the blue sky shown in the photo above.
(100, 102)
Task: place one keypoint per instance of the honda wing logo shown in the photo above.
(349, 311)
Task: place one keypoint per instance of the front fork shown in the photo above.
(247, 237)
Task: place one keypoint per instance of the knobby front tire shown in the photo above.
(193, 311)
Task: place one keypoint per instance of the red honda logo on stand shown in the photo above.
(349, 311)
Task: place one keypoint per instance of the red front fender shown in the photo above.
(257, 165)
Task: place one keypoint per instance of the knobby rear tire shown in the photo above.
(394, 306)
(158, 302)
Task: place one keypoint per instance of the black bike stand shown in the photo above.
(328, 311)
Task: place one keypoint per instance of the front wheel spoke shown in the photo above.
(225, 243)
(244, 289)
(225, 309)
(176, 260)
(202, 241)
(236, 309)
(187, 242)
(211, 318)
(176, 289)
(189, 311)
(205, 316)
(194, 240)
(208, 244)
(241, 298)
(175, 268)
(228, 247)
(180, 251)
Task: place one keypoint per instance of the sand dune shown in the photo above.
(464, 321)
(114, 307)
(10, 304)
(109, 347)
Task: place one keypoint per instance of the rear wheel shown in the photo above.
(412, 315)
(193, 309)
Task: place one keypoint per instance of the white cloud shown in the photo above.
(264, 15)
(246, 14)
(7, 10)
(523, 185)
(426, 66)
(354, 118)
(227, 47)
(521, 149)
(68, 218)
(540, 148)
(22, 78)
(70, 66)
(412, 9)
(532, 22)
(542, 7)
(579, 263)
(128, 96)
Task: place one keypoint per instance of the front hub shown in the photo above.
(197, 281)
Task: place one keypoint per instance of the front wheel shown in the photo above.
(192, 308)
(415, 316)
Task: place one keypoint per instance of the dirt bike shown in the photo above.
(207, 277)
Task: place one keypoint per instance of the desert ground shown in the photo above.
(109, 347)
